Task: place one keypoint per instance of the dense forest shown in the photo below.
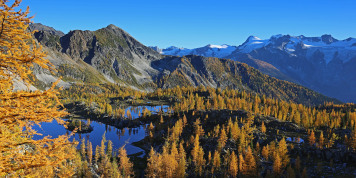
(214, 132)
(206, 132)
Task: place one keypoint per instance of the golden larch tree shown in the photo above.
(198, 129)
(265, 152)
(125, 165)
(311, 138)
(97, 154)
(109, 149)
(195, 150)
(209, 157)
(103, 147)
(216, 161)
(89, 152)
(353, 139)
(241, 163)
(180, 172)
(233, 165)
(283, 152)
(153, 164)
(250, 163)
(174, 152)
(198, 155)
(20, 110)
(200, 161)
(169, 160)
(321, 140)
(222, 139)
(82, 148)
(263, 128)
(277, 165)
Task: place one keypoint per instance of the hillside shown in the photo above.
(214, 72)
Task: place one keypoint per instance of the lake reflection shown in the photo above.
(119, 137)
(137, 110)
(295, 139)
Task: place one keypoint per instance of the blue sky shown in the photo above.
(196, 23)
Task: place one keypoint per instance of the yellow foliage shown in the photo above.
(277, 165)
(353, 139)
(283, 152)
(311, 138)
(250, 163)
(216, 161)
(263, 128)
(153, 165)
(265, 152)
(233, 166)
(125, 165)
(20, 110)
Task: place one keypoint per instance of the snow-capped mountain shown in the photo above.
(324, 63)
(219, 51)
(326, 44)
(252, 43)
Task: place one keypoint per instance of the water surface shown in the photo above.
(119, 137)
(136, 110)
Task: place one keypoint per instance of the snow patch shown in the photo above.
(210, 50)
(253, 38)
(252, 43)
(218, 46)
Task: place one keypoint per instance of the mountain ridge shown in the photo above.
(321, 63)
(111, 55)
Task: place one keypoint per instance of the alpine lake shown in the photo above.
(119, 136)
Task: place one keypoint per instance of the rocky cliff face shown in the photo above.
(116, 55)
(43, 28)
(112, 55)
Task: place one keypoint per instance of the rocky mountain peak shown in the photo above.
(328, 39)
(156, 48)
(252, 38)
(112, 26)
(115, 29)
(44, 28)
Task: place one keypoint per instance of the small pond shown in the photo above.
(119, 137)
(136, 110)
(295, 139)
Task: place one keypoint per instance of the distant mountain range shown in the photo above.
(324, 63)
(112, 55)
